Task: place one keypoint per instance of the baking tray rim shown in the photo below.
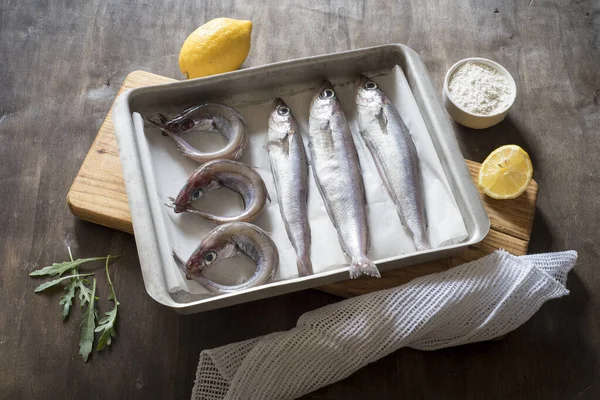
(143, 220)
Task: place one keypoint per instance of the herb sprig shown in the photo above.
(107, 324)
(78, 283)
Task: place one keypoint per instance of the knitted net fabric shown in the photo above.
(474, 302)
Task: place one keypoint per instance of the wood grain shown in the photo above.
(98, 195)
(98, 192)
(62, 64)
(514, 218)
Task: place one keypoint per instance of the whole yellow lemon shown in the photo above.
(220, 45)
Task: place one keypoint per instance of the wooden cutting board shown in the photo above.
(98, 195)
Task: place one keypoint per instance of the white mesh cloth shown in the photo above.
(477, 301)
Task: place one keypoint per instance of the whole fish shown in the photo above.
(223, 173)
(207, 117)
(395, 156)
(227, 241)
(290, 173)
(337, 174)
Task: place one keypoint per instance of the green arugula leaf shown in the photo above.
(85, 293)
(61, 268)
(88, 324)
(87, 297)
(55, 282)
(67, 300)
(107, 324)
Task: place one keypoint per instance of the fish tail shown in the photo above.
(363, 266)
(422, 246)
(180, 264)
(160, 124)
(421, 243)
(162, 118)
(304, 266)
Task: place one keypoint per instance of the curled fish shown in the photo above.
(337, 173)
(227, 241)
(395, 156)
(207, 117)
(290, 174)
(233, 175)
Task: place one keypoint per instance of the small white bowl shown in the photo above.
(469, 119)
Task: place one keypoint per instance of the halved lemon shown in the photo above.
(506, 172)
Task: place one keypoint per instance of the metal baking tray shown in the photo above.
(262, 84)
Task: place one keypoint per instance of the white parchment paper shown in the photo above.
(388, 236)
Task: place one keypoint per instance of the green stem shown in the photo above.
(112, 288)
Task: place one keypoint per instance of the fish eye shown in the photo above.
(327, 94)
(370, 85)
(210, 257)
(186, 124)
(197, 194)
(283, 110)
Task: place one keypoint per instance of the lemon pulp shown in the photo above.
(506, 172)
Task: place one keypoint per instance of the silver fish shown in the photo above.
(207, 117)
(395, 156)
(223, 173)
(290, 173)
(337, 174)
(227, 241)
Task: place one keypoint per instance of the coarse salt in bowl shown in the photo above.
(478, 92)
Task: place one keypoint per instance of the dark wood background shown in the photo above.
(61, 63)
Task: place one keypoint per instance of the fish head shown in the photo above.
(324, 102)
(199, 182)
(189, 119)
(281, 120)
(182, 267)
(180, 124)
(216, 246)
(366, 92)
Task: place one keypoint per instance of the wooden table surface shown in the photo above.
(61, 65)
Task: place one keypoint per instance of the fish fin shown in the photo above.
(207, 125)
(276, 180)
(161, 125)
(382, 119)
(238, 154)
(282, 143)
(171, 204)
(180, 264)
(304, 266)
(327, 136)
(233, 110)
(363, 266)
(163, 119)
